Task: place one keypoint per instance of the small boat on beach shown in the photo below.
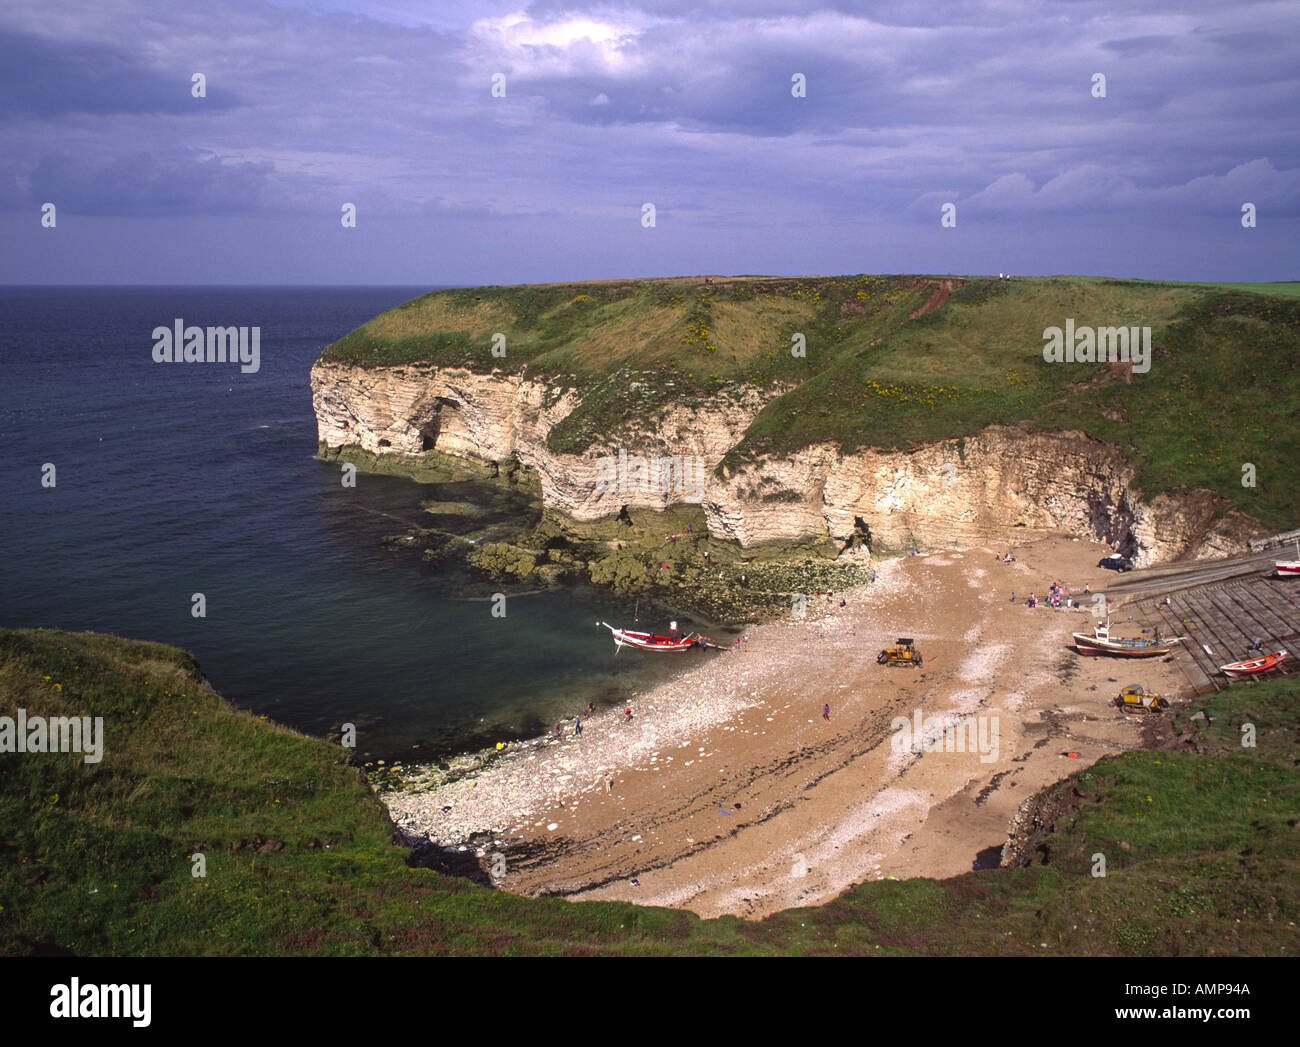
(1254, 666)
(1102, 642)
(1287, 568)
(651, 642)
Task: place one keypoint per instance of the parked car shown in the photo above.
(1115, 562)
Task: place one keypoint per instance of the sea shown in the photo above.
(137, 493)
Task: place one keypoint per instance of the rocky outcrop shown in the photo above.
(408, 410)
(1001, 485)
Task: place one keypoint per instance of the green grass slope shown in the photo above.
(1202, 849)
(1223, 390)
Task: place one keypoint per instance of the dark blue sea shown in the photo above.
(176, 479)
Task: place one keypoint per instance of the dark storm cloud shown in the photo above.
(49, 79)
(688, 105)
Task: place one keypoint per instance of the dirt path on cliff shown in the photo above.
(728, 792)
(940, 295)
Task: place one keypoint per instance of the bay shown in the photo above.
(177, 479)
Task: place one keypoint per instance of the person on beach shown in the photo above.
(577, 726)
(1013, 597)
(591, 708)
(559, 731)
(826, 711)
(629, 713)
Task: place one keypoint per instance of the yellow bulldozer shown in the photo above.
(1137, 699)
(902, 653)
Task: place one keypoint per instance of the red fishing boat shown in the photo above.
(1101, 642)
(1254, 666)
(651, 642)
(1287, 568)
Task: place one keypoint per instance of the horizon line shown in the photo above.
(610, 279)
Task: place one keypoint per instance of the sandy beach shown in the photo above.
(729, 791)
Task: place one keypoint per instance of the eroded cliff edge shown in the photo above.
(1000, 485)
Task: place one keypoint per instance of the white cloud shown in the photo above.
(562, 46)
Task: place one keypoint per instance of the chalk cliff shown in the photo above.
(1001, 485)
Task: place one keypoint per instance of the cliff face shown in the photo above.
(500, 417)
(1001, 486)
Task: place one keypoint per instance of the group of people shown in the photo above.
(830, 596)
(690, 530)
(1056, 597)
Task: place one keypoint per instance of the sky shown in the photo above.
(507, 142)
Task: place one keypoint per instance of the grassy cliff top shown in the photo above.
(895, 362)
(96, 859)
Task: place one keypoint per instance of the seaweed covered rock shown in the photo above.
(553, 575)
(624, 572)
(501, 559)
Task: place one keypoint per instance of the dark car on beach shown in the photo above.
(1115, 562)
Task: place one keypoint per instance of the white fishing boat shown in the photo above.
(1288, 568)
(1102, 642)
(650, 642)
